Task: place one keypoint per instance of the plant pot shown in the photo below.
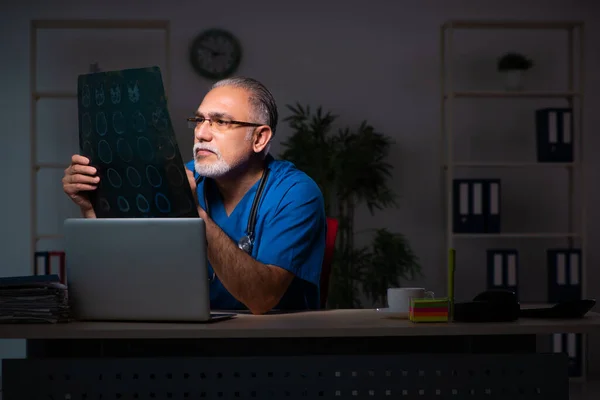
(514, 79)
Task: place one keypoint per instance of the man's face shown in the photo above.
(218, 150)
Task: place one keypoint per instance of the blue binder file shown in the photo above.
(554, 131)
(503, 269)
(468, 209)
(571, 344)
(491, 205)
(564, 274)
(43, 258)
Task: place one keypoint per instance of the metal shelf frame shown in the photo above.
(35, 96)
(574, 92)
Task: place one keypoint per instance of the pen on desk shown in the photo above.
(451, 269)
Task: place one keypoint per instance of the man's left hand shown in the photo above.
(192, 182)
(193, 186)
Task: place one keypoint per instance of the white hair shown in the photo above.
(264, 107)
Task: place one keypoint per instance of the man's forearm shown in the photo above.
(248, 280)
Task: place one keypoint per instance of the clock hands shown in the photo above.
(213, 52)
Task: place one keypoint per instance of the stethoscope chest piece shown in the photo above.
(246, 243)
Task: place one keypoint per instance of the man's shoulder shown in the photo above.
(289, 180)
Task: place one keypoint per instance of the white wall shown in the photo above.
(377, 60)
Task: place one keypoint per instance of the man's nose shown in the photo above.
(202, 132)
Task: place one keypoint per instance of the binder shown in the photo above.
(571, 344)
(468, 212)
(503, 269)
(564, 283)
(43, 264)
(461, 206)
(564, 274)
(554, 134)
(491, 202)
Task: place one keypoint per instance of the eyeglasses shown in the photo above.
(217, 124)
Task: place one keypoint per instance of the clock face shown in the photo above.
(215, 54)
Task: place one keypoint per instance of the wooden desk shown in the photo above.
(323, 354)
(314, 324)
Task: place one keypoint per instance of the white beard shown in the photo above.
(213, 170)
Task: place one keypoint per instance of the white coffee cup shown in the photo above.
(399, 298)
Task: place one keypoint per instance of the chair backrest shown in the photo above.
(332, 229)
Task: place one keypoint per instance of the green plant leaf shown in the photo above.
(514, 61)
(392, 259)
(350, 166)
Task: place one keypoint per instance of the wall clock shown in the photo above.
(215, 54)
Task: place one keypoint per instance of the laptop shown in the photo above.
(138, 269)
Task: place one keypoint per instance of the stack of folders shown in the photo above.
(33, 299)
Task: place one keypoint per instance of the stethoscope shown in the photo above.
(246, 242)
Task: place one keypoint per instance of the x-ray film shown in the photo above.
(126, 132)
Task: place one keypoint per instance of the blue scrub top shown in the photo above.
(290, 232)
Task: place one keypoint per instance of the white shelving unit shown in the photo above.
(37, 95)
(573, 95)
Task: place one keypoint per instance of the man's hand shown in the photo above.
(192, 182)
(80, 178)
(201, 212)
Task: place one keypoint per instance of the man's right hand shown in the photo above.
(80, 178)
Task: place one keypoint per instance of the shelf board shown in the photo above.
(50, 165)
(512, 165)
(509, 94)
(516, 235)
(511, 24)
(100, 24)
(54, 95)
(49, 236)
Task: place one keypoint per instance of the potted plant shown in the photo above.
(513, 66)
(351, 169)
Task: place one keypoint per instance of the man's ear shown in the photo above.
(261, 138)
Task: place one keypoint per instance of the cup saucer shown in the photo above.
(392, 314)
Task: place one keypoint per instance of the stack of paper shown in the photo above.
(33, 299)
(428, 310)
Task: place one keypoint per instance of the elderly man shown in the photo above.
(265, 219)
